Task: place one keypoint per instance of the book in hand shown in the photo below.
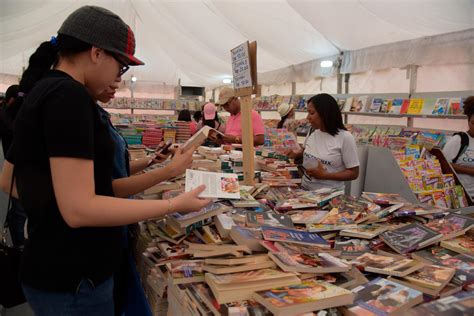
(306, 216)
(218, 185)
(383, 297)
(455, 305)
(386, 264)
(240, 286)
(430, 279)
(310, 295)
(368, 231)
(351, 247)
(452, 225)
(256, 219)
(200, 136)
(186, 271)
(410, 238)
(293, 236)
(461, 244)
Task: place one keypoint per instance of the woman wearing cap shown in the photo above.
(287, 114)
(330, 152)
(212, 120)
(61, 159)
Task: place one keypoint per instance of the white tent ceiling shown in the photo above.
(191, 39)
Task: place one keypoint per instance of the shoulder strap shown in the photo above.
(7, 217)
(464, 145)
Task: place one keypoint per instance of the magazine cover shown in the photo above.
(218, 185)
(293, 236)
(383, 297)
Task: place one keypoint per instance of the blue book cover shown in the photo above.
(293, 236)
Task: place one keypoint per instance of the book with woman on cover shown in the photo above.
(410, 237)
(430, 279)
(310, 295)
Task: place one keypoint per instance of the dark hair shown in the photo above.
(282, 121)
(329, 111)
(184, 115)
(213, 122)
(45, 56)
(469, 106)
(12, 92)
(197, 116)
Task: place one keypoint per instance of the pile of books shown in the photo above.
(154, 104)
(183, 132)
(286, 251)
(426, 179)
(152, 137)
(280, 140)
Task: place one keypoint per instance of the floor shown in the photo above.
(21, 310)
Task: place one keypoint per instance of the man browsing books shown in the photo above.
(233, 131)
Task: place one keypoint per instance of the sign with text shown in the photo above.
(244, 68)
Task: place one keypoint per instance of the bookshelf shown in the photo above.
(384, 175)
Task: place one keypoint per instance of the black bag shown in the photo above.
(464, 145)
(11, 293)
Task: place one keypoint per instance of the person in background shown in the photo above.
(461, 153)
(197, 116)
(330, 152)
(233, 130)
(184, 116)
(62, 160)
(211, 118)
(287, 114)
(16, 215)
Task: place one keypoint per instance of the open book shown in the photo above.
(218, 185)
(201, 135)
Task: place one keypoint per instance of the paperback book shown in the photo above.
(293, 236)
(410, 238)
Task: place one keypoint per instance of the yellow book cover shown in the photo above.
(416, 106)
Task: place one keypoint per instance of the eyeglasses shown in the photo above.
(124, 67)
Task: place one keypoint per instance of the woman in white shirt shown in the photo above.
(330, 151)
(464, 164)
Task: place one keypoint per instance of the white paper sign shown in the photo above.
(241, 66)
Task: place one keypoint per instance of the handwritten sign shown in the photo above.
(241, 68)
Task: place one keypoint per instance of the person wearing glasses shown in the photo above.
(233, 130)
(61, 161)
(330, 153)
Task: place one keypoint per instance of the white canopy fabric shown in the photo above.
(191, 40)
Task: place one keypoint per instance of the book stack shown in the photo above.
(427, 180)
(152, 137)
(183, 132)
(283, 250)
(280, 140)
(169, 135)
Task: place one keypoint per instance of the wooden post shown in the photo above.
(244, 68)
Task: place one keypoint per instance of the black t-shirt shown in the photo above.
(59, 119)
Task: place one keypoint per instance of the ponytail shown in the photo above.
(45, 57)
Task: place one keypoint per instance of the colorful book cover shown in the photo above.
(455, 106)
(396, 106)
(441, 106)
(460, 244)
(451, 224)
(455, 305)
(382, 297)
(185, 269)
(416, 106)
(408, 238)
(308, 261)
(307, 217)
(431, 276)
(351, 247)
(384, 198)
(405, 105)
(308, 291)
(376, 105)
(249, 276)
(289, 235)
(386, 106)
(368, 231)
(372, 260)
(268, 219)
